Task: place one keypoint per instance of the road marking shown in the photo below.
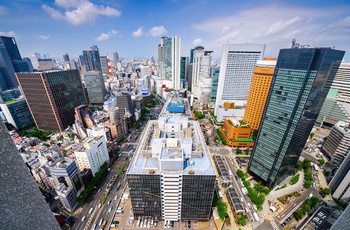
(274, 225)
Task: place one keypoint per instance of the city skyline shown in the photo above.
(133, 28)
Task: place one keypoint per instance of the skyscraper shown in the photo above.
(169, 61)
(116, 58)
(17, 113)
(65, 57)
(11, 47)
(92, 59)
(52, 97)
(259, 89)
(337, 105)
(104, 65)
(201, 74)
(236, 69)
(11, 61)
(340, 181)
(95, 87)
(298, 90)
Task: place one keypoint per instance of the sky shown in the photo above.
(133, 28)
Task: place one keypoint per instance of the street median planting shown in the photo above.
(256, 194)
(295, 179)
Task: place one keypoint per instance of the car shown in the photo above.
(83, 219)
(172, 224)
(110, 209)
(109, 202)
(91, 209)
(115, 222)
(283, 224)
(236, 177)
(288, 219)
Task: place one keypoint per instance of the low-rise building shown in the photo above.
(237, 133)
(91, 153)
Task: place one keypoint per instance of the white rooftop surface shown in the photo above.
(165, 150)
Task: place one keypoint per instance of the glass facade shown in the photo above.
(168, 58)
(92, 60)
(214, 87)
(183, 67)
(296, 96)
(95, 87)
(19, 112)
(52, 97)
(67, 91)
(197, 196)
(145, 195)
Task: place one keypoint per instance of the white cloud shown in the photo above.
(157, 31)
(80, 12)
(9, 34)
(312, 26)
(105, 36)
(43, 37)
(3, 10)
(138, 32)
(197, 41)
(69, 3)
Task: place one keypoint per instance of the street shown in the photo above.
(106, 210)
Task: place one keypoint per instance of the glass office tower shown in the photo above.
(296, 96)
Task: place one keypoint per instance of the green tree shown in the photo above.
(306, 208)
(311, 135)
(298, 214)
(246, 151)
(321, 162)
(241, 219)
(327, 191)
(306, 164)
(307, 184)
(299, 165)
(313, 201)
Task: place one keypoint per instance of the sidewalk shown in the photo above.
(267, 214)
(289, 189)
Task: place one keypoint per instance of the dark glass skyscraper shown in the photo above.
(296, 96)
(92, 59)
(52, 97)
(10, 62)
(11, 47)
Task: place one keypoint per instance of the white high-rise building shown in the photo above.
(170, 67)
(201, 74)
(236, 69)
(91, 153)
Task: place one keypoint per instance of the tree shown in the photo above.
(306, 164)
(298, 214)
(246, 151)
(307, 184)
(313, 201)
(311, 135)
(241, 219)
(306, 208)
(299, 165)
(321, 162)
(327, 191)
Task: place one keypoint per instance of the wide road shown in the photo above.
(95, 199)
(296, 205)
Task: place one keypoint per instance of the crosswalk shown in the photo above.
(274, 225)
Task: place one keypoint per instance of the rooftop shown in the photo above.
(172, 144)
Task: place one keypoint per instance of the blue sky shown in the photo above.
(133, 27)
